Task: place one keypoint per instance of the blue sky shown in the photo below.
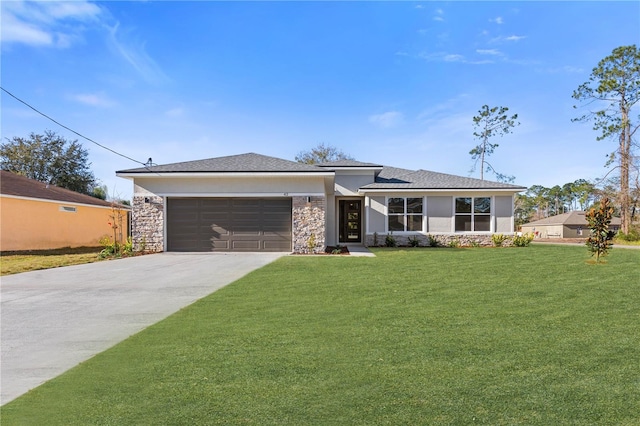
(394, 83)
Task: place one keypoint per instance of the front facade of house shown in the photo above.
(37, 216)
(252, 202)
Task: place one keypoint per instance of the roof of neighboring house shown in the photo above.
(243, 163)
(20, 186)
(394, 178)
(572, 218)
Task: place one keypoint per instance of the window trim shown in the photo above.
(473, 214)
(405, 214)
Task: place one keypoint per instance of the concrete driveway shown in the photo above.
(56, 318)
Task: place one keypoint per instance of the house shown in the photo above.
(252, 202)
(38, 216)
(567, 225)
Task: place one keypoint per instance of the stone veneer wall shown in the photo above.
(444, 240)
(309, 219)
(147, 220)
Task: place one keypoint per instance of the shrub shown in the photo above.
(390, 241)
(522, 240)
(455, 243)
(498, 239)
(414, 241)
(375, 239)
(433, 242)
(632, 235)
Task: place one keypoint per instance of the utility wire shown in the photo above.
(71, 130)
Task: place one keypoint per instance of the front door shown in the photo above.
(350, 223)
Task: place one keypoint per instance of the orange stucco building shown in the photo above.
(37, 216)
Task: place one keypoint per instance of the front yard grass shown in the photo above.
(14, 263)
(533, 336)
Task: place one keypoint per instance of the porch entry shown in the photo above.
(350, 221)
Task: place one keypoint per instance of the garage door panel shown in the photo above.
(228, 224)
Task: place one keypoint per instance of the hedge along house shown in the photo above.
(39, 216)
(252, 202)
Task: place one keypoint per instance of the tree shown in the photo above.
(599, 241)
(51, 159)
(614, 90)
(100, 191)
(322, 154)
(488, 123)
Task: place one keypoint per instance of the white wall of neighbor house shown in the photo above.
(438, 211)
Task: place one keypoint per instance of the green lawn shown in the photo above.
(508, 336)
(15, 263)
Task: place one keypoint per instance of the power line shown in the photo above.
(71, 130)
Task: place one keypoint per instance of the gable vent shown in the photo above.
(68, 209)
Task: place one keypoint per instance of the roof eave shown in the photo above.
(390, 189)
(133, 175)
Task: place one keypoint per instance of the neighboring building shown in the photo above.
(567, 225)
(252, 202)
(38, 216)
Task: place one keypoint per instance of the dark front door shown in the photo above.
(350, 221)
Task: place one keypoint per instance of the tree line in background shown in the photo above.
(52, 159)
(539, 202)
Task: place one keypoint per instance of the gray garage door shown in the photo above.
(229, 224)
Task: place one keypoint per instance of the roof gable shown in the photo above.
(243, 163)
(21, 186)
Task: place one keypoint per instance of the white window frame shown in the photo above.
(473, 214)
(405, 214)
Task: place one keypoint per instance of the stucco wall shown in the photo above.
(439, 212)
(377, 218)
(231, 186)
(503, 214)
(29, 224)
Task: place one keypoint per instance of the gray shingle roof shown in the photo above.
(394, 178)
(576, 218)
(250, 162)
(389, 177)
(348, 163)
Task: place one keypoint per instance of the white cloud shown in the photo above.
(438, 15)
(135, 54)
(492, 52)
(45, 23)
(452, 57)
(511, 38)
(387, 119)
(16, 31)
(514, 38)
(93, 99)
(419, 6)
(498, 20)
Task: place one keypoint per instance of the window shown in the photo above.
(67, 209)
(405, 214)
(473, 214)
